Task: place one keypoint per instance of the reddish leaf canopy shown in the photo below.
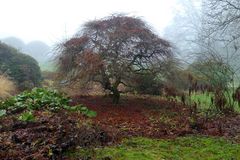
(123, 45)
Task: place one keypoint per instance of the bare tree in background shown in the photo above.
(209, 35)
(112, 49)
(221, 26)
(223, 18)
(184, 29)
(219, 43)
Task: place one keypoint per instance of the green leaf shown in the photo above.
(3, 112)
(91, 114)
(83, 108)
(27, 116)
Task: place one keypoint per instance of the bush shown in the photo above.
(147, 83)
(36, 99)
(23, 69)
(40, 98)
(7, 87)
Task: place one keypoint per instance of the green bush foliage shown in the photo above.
(23, 69)
(36, 99)
(41, 98)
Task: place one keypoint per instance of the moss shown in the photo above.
(184, 148)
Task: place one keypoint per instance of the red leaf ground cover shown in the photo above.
(54, 133)
(48, 137)
(155, 118)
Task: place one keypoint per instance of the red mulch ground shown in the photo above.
(54, 133)
(155, 118)
(48, 137)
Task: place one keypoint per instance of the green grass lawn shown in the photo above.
(205, 101)
(184, 148)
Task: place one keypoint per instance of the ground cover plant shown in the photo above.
(40, 98)
(41, 124)
(184, 148)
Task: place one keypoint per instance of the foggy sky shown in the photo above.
(54, 20)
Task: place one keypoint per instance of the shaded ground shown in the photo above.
(54, 133)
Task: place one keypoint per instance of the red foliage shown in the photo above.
(89, 62)
(76, 42)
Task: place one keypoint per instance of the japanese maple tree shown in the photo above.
(111, 50)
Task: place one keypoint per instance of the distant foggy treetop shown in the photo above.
(37, 49)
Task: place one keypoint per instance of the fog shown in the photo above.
(35, 27)
(53, 21)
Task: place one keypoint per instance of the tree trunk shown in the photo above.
(112, 87)
(116, 95)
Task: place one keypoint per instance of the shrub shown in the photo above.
(7, 87)
(147, 83)
(36, 99)
(40, 98)
(20, 67)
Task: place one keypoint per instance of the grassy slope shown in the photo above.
(185, 148)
